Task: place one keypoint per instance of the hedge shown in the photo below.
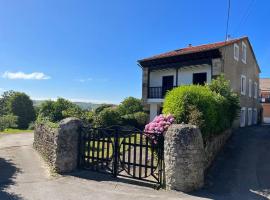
(198, 105)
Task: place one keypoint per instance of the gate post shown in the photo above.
(184, 158)
(116, 152)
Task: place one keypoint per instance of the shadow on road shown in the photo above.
(7, 172)
(241, 171)
(96, 176)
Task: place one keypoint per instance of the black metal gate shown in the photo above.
(122, 152)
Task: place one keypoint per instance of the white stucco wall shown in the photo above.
(185, 75)
(156, 77)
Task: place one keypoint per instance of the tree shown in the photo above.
(20, 105)
(4, 102)
(102, 107)
(107, 117)
(57, 110)
(130, 105)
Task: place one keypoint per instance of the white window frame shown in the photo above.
(236, 52)
(250, 119)
(255, 90)
(250, 88)
(243, 117)
(244, 53)
(243, 87)
(255, 116)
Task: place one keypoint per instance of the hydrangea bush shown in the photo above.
(158, 126)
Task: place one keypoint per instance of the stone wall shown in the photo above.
(186, 157)
(59, 146)
(214, 145)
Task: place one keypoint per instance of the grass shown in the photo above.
(13, 130)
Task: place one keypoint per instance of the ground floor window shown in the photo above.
(249, 116)
(243, 117)
(255, 116)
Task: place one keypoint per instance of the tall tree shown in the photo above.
(20, 105)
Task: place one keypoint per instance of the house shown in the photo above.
(265, 98)
(234, 58)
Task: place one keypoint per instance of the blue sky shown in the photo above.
(87, 49)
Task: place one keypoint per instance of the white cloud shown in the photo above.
(22, 75)
(84, 80)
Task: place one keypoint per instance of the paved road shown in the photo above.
(241, 171)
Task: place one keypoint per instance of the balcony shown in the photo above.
(158, 92)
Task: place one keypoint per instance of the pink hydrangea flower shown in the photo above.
(158, 126)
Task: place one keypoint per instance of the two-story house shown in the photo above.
(199, 65)
(265, 98)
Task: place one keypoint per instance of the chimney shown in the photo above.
(189, 45)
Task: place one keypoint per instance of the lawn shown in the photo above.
(12, 131)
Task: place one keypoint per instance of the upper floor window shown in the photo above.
(243, 84)
(250, 88)
(236, 52)
(244, 53)
(255, 90)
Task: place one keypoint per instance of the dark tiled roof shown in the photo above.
(193, 49)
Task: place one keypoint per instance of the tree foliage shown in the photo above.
(57, 110)
(19, 104)
(107, 117)
(130, 105)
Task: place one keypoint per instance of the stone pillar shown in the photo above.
(184, 158)
(67, 145)
(145, 85)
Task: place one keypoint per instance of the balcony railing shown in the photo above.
(158, 92)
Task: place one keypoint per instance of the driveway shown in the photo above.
(241, 171)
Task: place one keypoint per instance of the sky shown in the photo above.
(87, 50)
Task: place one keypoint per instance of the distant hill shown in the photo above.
(83, 105)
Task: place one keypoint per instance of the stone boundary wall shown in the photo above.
(214, 145)
(186, 157)
(59, 146)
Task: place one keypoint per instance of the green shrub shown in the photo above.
(107, 117)
(222, 87)
(47, 122)
(212, 107)
(138, 119)
(206, 103)
(8, 121)
(31, 126)
(195, 117)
